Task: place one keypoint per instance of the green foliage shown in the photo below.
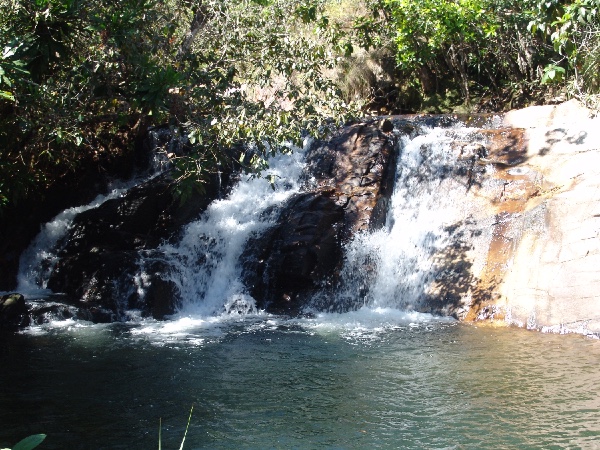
(562, 22)
(571, 27)
(480, 44)
(80, 81)
(29, 442)
(9, 69)
(268, 86)
(553, 74)
(428, 27)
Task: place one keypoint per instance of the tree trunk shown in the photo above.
(200, 18)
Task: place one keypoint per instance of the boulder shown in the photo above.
(356, 168)
(543, 259)
(349, 180)
(291, 261)
(13, 312)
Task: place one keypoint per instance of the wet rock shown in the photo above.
(13, 311)
(287, 264)
(101, 254)
(97, 281)
(48, 310)
(349, 181)
(160, 297)
(21, 222)
(356, 169)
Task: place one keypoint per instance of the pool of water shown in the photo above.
(363, 380)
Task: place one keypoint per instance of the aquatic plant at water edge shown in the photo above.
(184, 434)
(29, 443)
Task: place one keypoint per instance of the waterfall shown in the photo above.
(398, 266)
(37, 261)
(204, 264)
(394, 267)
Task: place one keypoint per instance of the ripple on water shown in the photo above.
(368, 379)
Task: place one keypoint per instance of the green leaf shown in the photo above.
(553, 74)
(8, 52)
(29, 442)
(7, 96)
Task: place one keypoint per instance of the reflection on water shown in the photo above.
(368, 379)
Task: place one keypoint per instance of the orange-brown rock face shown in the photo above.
(542, 268)
(506, 193)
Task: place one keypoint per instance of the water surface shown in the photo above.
(368, 379)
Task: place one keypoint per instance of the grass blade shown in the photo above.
(186, 428)
(159, 434)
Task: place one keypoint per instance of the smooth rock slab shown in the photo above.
(549, 278)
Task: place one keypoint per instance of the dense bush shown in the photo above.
(81, 81)
(573, 28)
(492, 45)
(481, 43)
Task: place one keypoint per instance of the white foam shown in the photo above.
(205, 262)
(393, 267)
(39, 259)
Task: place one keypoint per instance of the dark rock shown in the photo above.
(101, 253)
(160, 296)
(350, 180)
(19, 224)
(13, 311)
(49, 310)
(95, 280)
(386, 126)
(288, 263)
(357, 169)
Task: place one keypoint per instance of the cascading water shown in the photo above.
(394, 267)
(38, 260)
(204, 264)
(397, 266)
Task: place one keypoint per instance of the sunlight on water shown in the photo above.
(367, 321)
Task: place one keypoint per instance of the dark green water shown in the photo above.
(359, 381)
